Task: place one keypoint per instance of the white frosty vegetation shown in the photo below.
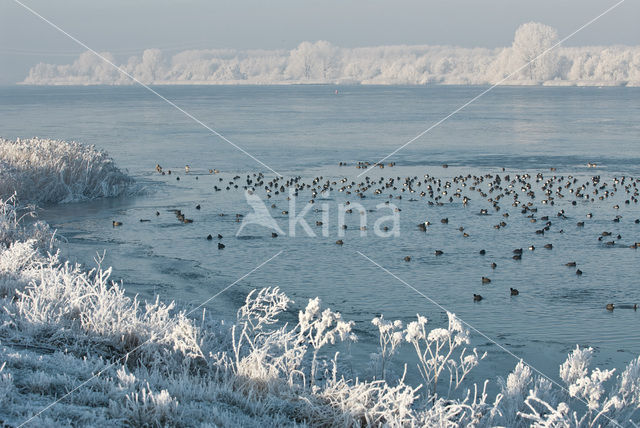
(50, 171)
(523, 63)
(149, 364)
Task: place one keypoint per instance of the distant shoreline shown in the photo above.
(536, 57)
(516, 84)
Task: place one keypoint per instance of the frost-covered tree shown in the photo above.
(313, 61)
(151, 67)
(532, 46)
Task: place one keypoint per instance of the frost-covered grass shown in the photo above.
(152, 364)
(51, 171)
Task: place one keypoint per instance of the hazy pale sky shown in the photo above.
(126, 27)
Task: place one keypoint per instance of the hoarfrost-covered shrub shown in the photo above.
(280, 352)
(6, 384)
(146, 408)
(13, 230)
(440, 349)
(87, 302)
(520, 384)
(20, 247)
(595, 407)
(320, 328)
(50, 171)
(628, 385)
(390, 338)
(270, 353)
(373, 403)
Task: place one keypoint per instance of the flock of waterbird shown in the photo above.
(522, 191)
